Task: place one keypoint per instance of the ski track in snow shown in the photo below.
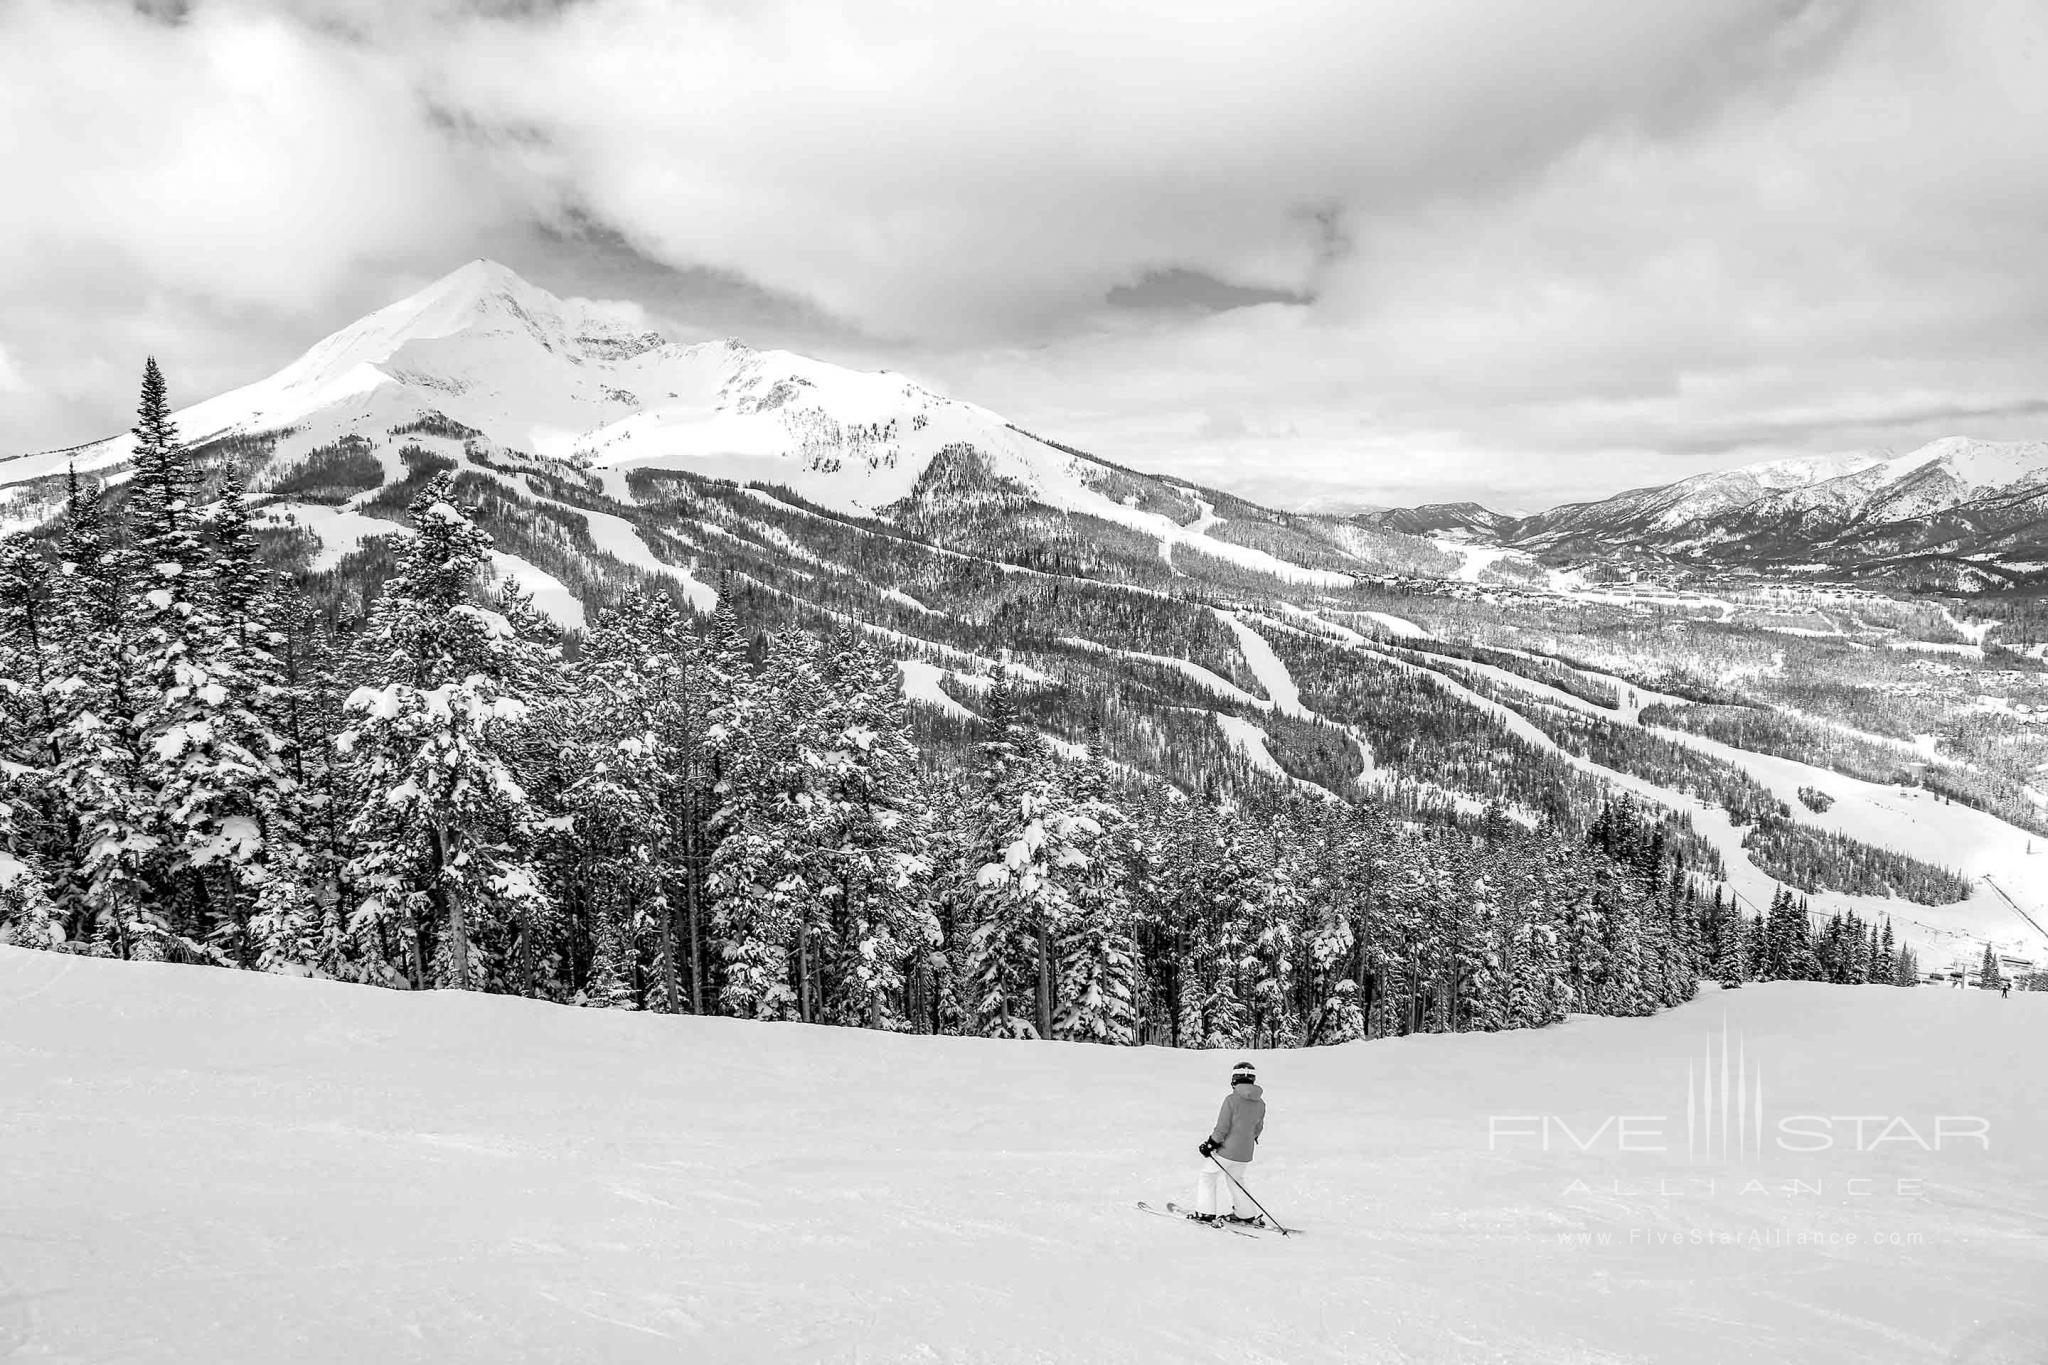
(550, 595)
(1266, 667)
(340, 530)
(620, 539)
(1250, 740)
(445, 1178)
(1908, 821)
(921, 685)
(1215, 682)
(1198, 529)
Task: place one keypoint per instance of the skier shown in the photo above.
(1220, 1197)
(2005, 991)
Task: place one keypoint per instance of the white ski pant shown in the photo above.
(1214, 1192)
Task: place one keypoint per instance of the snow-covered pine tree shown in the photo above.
(1990, 975)
(872, 830)
(1229, 890)
(1095, 954)
(1731, 967)
(298, 926)
(631, 749)
(765, 909)
(1332, 1009)
(224, 801)
(31, 823)
(1025, 853)
(96, 780)
(442, 828)
(27, 917)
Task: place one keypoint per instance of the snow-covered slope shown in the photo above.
(564, 380)
(229, 1167)
(1650, 512)
(1949, 513)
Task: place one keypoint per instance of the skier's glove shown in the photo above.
(1208, 1146)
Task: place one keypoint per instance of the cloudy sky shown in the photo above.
(1368, 250)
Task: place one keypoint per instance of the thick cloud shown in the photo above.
(1458, 249)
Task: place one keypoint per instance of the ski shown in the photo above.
(1262, 1225)
(1175, 1211)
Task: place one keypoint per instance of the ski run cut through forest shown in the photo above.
(247, 1168)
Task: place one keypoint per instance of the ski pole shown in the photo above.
(1284, 1232)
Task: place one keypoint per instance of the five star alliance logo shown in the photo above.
(1724, 1102)
(1724, 1121)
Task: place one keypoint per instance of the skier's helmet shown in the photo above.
(1244, 1073)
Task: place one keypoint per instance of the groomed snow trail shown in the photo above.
(230, 1167)
(1908, 820)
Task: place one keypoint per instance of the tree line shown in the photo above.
(688, 814)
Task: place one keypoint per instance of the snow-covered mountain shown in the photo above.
(1703, 497)
(565, 380)
(519, 371)
(1435, 518)
(1955, 513)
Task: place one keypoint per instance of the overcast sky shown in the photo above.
(1378, 251)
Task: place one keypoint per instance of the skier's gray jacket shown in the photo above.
(1239, 1124)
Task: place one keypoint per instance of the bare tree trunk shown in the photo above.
(1044, 982)
(416, 947)
(803, 973)
(451, 907)
(529, 952)
(121, 932)
(690, 871)
(671, 994)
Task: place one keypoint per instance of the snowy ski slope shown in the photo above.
(224, 1167)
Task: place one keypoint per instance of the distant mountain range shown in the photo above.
(1956, 514)
(523, 372)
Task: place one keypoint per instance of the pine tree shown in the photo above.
(1096, 967)
(442, 827)
(869, 823)
(97, 774)
(1730, 965)
(226, 807)
(1990, 975)
(764, 870)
